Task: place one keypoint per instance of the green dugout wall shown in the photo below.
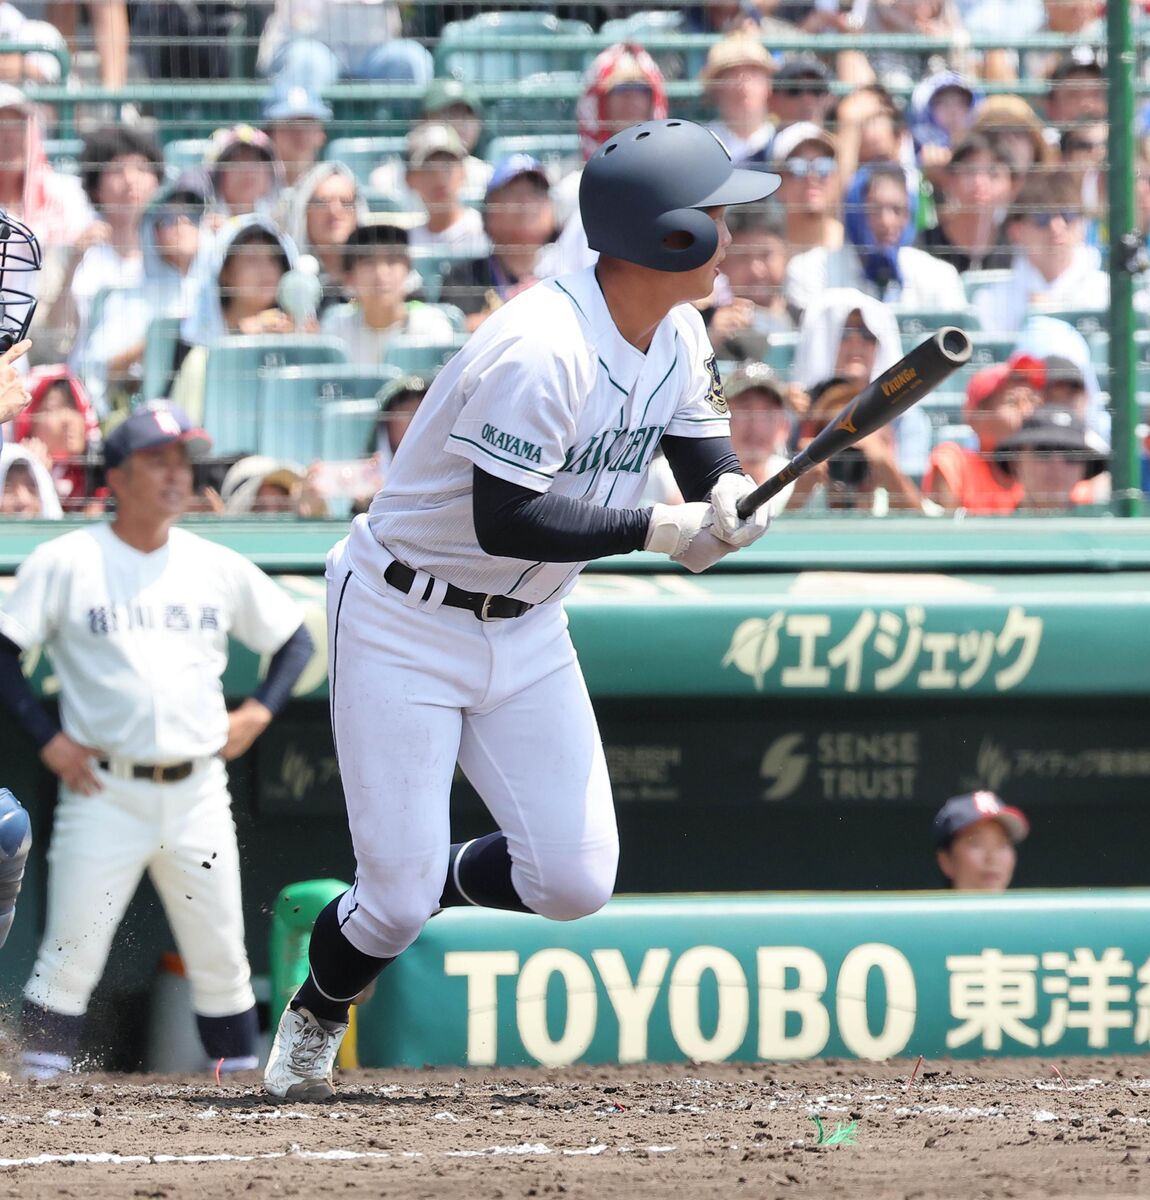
(789, 722)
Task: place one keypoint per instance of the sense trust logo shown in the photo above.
(785, 766)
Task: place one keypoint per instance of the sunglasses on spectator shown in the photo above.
(173, 216)
(821, 168)
(1044, 219)
(802, 89)
(1086, 144)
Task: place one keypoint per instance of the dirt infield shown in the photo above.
(983, 1129)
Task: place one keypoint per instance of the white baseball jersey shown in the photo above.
(549, 395)
(139, 641)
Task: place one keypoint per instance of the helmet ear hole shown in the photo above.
(679, 240)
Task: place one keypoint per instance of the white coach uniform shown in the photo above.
(139, 643)
(547, 394)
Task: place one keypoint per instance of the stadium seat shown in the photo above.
(1086, 320)
(292, 401)
(347, 429)
(544, 101)
(915, 326)
(431, 265)
(363, 154)
(558, 152)
(182, 153)
(233, 376)
(661, 26)
(413, 355)
(781, 352)
(160, 343)
(64, 154)
(459, 55)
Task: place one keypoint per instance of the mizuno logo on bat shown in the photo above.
(891, 386)
(846, 422)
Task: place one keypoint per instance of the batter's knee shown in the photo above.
(570, 889)
(385, 923)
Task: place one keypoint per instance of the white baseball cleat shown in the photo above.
(302, 1056)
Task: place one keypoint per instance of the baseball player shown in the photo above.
(975, 835)
(447, 635)
(136, 616)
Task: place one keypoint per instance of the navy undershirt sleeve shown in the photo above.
(285, 668)
(697, 463)
(515, 522)
(17, 696)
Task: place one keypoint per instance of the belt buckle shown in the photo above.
(484, 613)
(158, 774)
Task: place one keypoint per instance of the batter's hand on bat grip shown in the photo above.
(727, 524)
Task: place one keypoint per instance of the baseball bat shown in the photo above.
(883, 399)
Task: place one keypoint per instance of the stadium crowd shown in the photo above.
(295, 288)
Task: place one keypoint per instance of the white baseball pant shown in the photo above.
(102, 844)
(416, 688)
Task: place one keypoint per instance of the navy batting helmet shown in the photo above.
(643, 191)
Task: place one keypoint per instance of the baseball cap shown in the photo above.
(443, 93)
(433, 138)
(284, 103)
(960, 812)
(1060, 369)
(752, 376)
(512, 167)
(789, 139)
(154, 425)
(13, 97)
(1057, 431)
(736, 50)
(802, 66)
(405, 385)
(983, 384)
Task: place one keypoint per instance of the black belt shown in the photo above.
(486, 608)
(170, 774)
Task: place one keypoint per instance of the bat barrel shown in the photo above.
(879, 403)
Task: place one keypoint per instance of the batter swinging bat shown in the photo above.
(890, 395)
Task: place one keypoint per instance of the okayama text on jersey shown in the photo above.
(546, 394)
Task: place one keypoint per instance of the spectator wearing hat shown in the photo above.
(801, 91)
(519, 220)
(245, 173)
(1051, 267)
(26, 488)
(998, 399)
(760, 423)
(975, 836)
(1077, 89)
(446, 102)
(878, 257)
(260, 486)
(737, 80)
(942, 108)
(1052, 456)
(971, 198)
(376, 265)
(742, 322)
(434, 157)
(296, 124)
(1013, 126)
(811, 193)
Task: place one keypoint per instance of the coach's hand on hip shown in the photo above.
(245, 724)
(14, 395)
(72, 762)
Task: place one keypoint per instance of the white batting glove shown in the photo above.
(683, 532)
(727, 524)
(674, 526)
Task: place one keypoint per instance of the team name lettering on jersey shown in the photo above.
(106, 619)
(510, 444)
(618, 449)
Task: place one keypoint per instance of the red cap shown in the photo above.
(983, 384)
